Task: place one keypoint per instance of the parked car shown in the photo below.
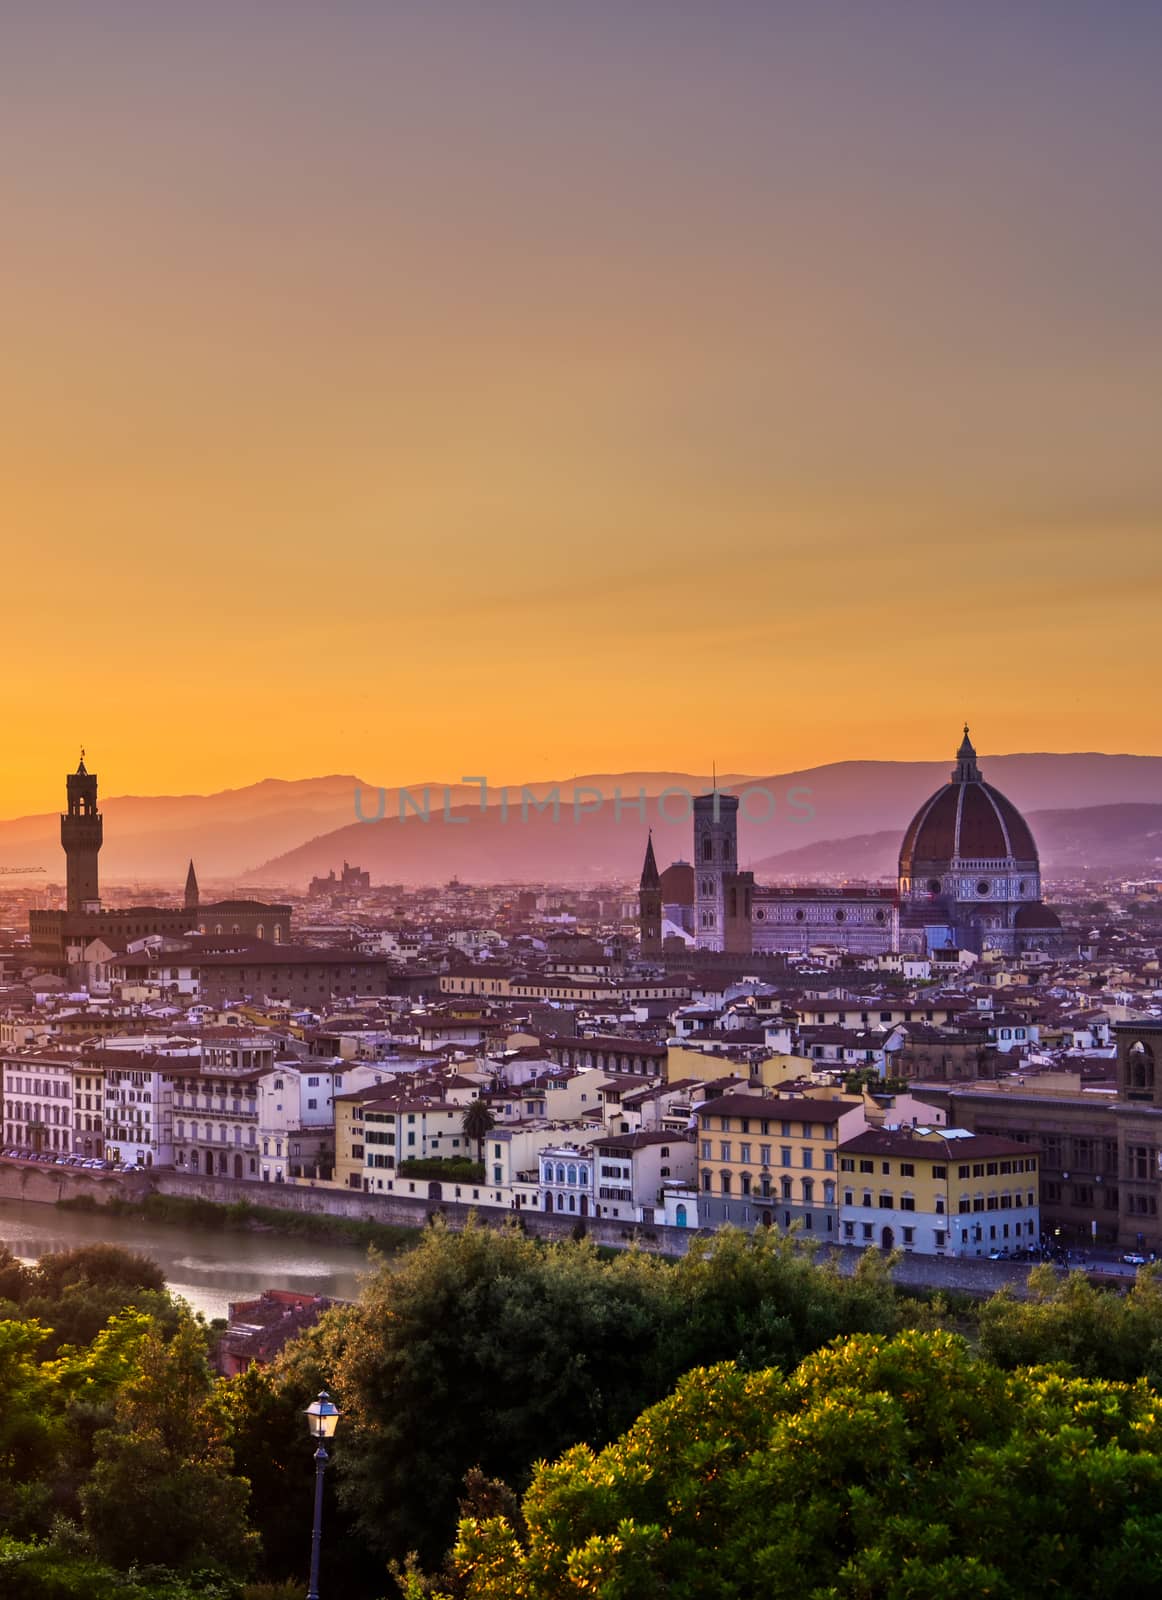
(1133, 1259)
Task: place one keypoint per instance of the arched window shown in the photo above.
(1140, 1066)
(808, 1191)
(724, 1180)
(560, 1174)
(260, 931)
(583, 1174)
(572, 1173)
(708, 848)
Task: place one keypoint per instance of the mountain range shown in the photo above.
(842, 819)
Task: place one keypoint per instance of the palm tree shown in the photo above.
(478, 1124)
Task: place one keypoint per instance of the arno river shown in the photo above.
(208, 1269)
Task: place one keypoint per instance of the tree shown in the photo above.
(880, 1469)
(1097, 1333)
(478, 1123)
(162, 1489)
(486, 1349)
(74, 1293)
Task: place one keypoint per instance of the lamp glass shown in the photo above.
(322, 1417)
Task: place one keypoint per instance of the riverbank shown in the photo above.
(195, 1211)
(208, 1266)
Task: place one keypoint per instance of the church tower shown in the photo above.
(715, 861)
(82, 831)
(650, 904)
(191, 899)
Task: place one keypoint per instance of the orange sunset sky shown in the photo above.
(530, 389)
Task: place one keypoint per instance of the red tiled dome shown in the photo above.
(971, 820)
(967, 819)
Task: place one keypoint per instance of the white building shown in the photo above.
(38, 1101)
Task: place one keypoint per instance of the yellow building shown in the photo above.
(687, 1061)
(773, 1159)
(938, 1192)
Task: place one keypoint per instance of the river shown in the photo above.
(209, 1269)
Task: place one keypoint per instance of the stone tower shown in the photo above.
(650, 904)
(82, 831)
(191, 899)
(715, 860)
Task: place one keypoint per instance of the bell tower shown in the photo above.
(650, 904)
(715, 860)
(82, 831)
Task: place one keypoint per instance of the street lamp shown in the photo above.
(322, 1420)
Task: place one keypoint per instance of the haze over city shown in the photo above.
(401, 394)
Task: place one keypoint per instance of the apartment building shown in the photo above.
(773, 1159)
(938, 1192)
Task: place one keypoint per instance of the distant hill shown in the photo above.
(1116, 837)
(152, 837)
(785, 813)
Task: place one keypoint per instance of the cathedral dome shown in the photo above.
(966, 821)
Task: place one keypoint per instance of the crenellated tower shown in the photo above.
(82, 833)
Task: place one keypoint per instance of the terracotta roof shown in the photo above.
(792, 1108)
(970, 820)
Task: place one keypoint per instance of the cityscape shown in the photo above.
(581, 809)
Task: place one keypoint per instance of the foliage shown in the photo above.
(74, 1293)
(452, 1169)
(488, 1349)
(162, 1488)
(241, 1215)
(1097, 1332)
(478, 1122)
(899, 1469)
(31, 1571)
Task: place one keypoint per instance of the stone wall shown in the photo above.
(38, 1181)
(44, 1184)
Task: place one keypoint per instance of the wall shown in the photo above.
(21, 1180)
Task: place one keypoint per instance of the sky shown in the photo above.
(528, 390)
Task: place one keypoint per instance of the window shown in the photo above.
(846, 1164)
(1138, 1161)
(867, 1166)
(907, 1169)
(886, 1201)
(785, 1154)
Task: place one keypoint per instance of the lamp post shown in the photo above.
(322, 1420)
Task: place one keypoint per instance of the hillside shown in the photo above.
(1116, 837)
(152, 837)
(807, 808)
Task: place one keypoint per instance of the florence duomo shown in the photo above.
(969, 879)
